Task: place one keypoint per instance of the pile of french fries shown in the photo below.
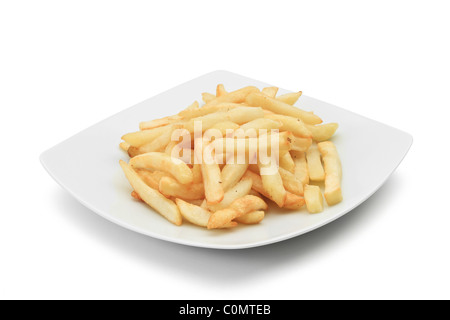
(218, 195)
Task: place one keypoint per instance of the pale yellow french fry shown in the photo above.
(301, 167)
(313, 199)
(238, 208)
(224, 126)
(315, 168)
(203, 111)
(135, 195)
(287, 163)
(254, 217)
(124, 146)
(258, 99)
(157, 145)
(261, 124)
(152, 179)
(333, 172)
(323, 132)
(294, 202)
(290, 98)
(169, 148)
(167, 208)
(239, 190)
(273, 185)
(270, 91)
(197, 173)
(140, 138)
(163, 162)
(300, 144)
(212, 181)
(220, 90)
(294, 125)
(194, 106)
(239, 115)
(237, 96)
(231, 174)
(197, 215)
(290, 182)
(172, 188)
(208, 97)
(152, 124)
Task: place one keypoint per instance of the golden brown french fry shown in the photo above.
(157, 145)
(323, 132)
(208, 97)
(197, 215)
(314, 199)
(254, 217)
(203, 111)
(169, 148)
(224, 126)
(270, 91)
(152, 124)
(315, 168)
(258, 99)
(291, 183)
(197, 173)
(167, 208)
(333, 172)
(140, 138)
(212, 181)
(294, 125)
(152, 179)
(261, 124)
(239, 190)
(290, 98)
(273, 185)
(294, 202)
(231, 174)
(163, 162)
(301, 167)
(300, 144)
(237, 96)
(124, 146)
(172, 188)
(135, 195)
(238, 208)
(287, 163)
(220, 90)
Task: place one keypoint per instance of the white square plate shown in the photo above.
(87, 166)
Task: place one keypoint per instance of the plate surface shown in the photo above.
(86, 165)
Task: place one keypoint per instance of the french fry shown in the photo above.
(152, 179)
(152, 124)
(313, 199)
(208, 97)
(197, 215)
(224, 126)
(232, 173)
(140, 138)
(294, 125)
(258, 99)
(197, 173)
(212, 181)
(315, 168)
(270, 91)
(237, 96)
(290, 98)
(291, 183)
(238, 208)
(203, 111)
(301, 167)
(157, 145)
(163, 162)
(220, 90)
(300, 144)
(167, 208)
(240, 190)
(294, 202)
(194, 106)
(261, 124)
(169, 187)
(135, 195)
(254, 217)
(333, 172)
(124, 146)
(287, 163)
(323, 132)
(273, 185)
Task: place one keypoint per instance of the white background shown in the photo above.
(65, 65)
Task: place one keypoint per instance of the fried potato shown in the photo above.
(152, 124)
(237, 96)
(301, 167)
(135, 195)
(238, 208)
(224, 126)
(232, 173)
(212, 180)
(140, 138)
(220, 90)
(333, 172)
(239, 190)
(167, 208)
(290, 98)
(287, 163)
(323, 132)
(270, 91)
(124, 146)
(313, 199)
(208, 97)
(157, 145)
(294, 202)
(163, 162)
(197, 215)
(294, 125)
(300, 144)
(195, 113)
(273, 185)
(315, 168)
(290, 182)
(169, 187)
(257, 99)
(194, 106)
(261, 124)
(254, 217)
(152, 179)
